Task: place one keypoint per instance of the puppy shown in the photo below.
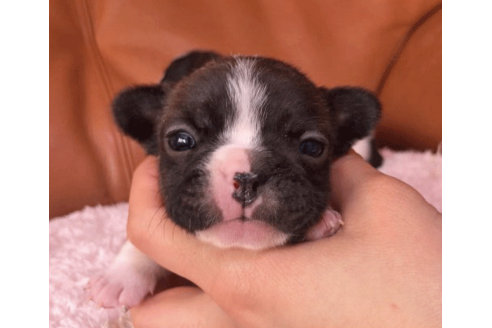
(245, 146)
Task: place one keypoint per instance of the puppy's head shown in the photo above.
(244, 144)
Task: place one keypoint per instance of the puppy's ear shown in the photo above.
(136, 111)
(187, 64)
(355, 112)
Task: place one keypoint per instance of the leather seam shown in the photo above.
(406, 38)
(88, 26)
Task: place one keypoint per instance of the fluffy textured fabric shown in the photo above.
(84, 243)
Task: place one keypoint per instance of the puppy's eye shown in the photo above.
(312, 148)
(181, 141)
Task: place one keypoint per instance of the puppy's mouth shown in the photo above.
(243, 232)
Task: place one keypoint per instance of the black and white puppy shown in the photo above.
(244, 146)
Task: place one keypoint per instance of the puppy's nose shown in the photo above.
(245, 185)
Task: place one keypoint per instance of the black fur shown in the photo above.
(137, 111)
(355, 112)
(187, 64)
(375, 158)
(193, 97)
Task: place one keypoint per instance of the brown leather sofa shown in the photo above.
(98, 47)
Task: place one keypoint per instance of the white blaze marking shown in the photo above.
(248, 96)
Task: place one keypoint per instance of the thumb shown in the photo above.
(150, 230)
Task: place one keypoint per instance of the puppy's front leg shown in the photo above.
(131, 276)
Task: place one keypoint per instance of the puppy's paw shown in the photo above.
(329, 224)
(120, 287)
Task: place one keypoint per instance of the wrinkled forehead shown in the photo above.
(241, 97)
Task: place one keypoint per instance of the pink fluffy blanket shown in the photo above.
(84, 242)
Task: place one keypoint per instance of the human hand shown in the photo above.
(383, 268)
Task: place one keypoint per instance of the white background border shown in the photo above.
(24, 171)
(467, 164)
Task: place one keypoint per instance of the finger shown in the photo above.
(348, 174)
(144, 192)
(179, 307)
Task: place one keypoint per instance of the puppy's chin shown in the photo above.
(249, 234)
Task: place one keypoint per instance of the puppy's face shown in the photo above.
(244, 145)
